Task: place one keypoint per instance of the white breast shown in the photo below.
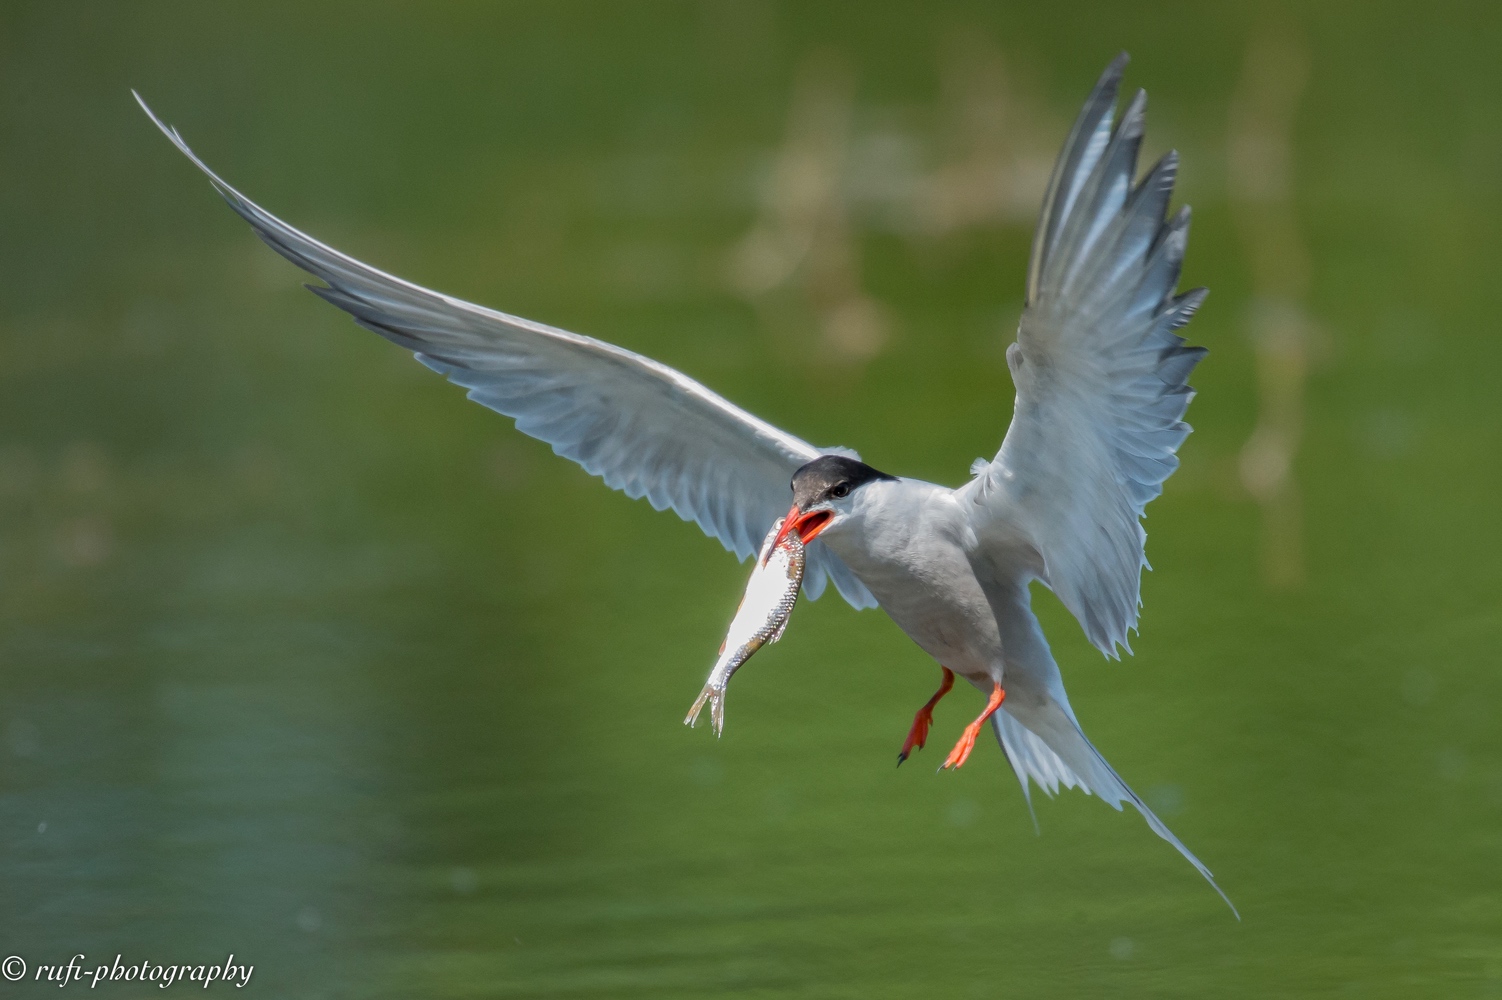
(907, 541)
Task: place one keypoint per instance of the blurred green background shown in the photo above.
(306, 658)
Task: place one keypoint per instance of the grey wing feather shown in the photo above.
(642, 427)
(1100, 373)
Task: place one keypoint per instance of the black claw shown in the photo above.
(900, 758)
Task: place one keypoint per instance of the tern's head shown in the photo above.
(825, 491)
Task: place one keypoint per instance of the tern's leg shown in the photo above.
(961, 751)
(925, 718)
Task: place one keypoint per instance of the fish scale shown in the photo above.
(761, 618)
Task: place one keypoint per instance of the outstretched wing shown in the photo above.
(644, 428)
(1100, 374)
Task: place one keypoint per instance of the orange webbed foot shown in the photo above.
(918, 734)
(961, 751)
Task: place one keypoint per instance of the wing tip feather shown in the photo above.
(343, 277)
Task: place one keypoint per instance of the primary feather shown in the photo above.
(1100, 373)
(644, 428)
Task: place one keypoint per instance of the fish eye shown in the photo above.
(840, 490)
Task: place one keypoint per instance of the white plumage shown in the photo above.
(646, 429)
(1101, 393)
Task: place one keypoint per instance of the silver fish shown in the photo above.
(768, 603)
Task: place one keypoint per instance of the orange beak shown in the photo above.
(807, 525)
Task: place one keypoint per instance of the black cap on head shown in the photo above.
(831, 476)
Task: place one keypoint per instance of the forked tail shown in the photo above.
(714, 694)
(1051, 749)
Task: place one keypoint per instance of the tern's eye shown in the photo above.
(840, 491)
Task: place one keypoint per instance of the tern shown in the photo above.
(1101, 392)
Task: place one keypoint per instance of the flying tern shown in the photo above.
(1100, 377)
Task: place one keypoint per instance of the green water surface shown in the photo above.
(305, 658)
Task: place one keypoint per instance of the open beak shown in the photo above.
(807, 525)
